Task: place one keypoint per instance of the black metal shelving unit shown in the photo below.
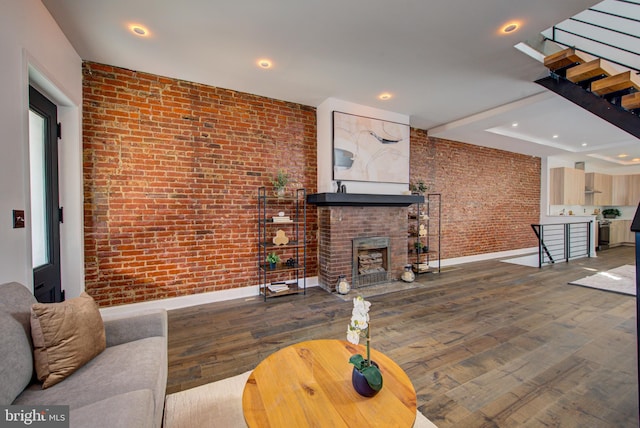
(427, 232)
(292, 270)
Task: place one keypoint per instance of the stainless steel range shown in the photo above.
(603, 234)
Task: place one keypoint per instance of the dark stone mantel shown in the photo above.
(362, 199)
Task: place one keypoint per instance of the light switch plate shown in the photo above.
(18, 219)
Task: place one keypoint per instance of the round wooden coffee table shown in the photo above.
(309, 384)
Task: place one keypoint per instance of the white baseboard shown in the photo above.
(250, 292)
(253, 292)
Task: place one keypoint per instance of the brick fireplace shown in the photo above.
(345, 217)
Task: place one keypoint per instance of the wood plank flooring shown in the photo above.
(486, 344)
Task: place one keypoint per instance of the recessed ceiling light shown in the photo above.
(623, 155)
(510, 27)
(584, 144)
(555, 135)
(139, 30)
(635, 160)
(264, 63)
(384, 96)
(514, 124)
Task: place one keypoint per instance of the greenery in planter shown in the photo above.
(281, 180)
(420, 247)
(419, 187)
(273, 258)
(611, 212)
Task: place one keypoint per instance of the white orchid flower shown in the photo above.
(359, 320)
(353, 336)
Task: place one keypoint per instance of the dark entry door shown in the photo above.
(45, 212)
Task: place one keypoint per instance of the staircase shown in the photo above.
(588, 56)
(596, 85)
(597, 76)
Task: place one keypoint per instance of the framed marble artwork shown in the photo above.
(368, 149)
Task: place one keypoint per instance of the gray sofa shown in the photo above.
(124, 386)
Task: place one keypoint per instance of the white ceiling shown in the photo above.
(444, 61)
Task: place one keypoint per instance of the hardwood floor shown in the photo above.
(485, 344)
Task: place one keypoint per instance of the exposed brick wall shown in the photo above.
(171, 172)
(489, 197)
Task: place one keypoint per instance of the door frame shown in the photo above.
(47, 279)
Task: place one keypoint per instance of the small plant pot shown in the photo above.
(360, 383)
(272, 266)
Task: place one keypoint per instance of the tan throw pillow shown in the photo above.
(66, 336)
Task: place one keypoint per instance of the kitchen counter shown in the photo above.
(567, 218)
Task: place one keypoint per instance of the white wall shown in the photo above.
(33, 47)
(325, 147)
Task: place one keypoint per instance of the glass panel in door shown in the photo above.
(39, 220)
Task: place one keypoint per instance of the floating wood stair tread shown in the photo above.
(619, 82)
(589, 70)
(631, 101)
(563, 59)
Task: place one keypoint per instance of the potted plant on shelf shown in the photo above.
(611, 213)
(419, 187)
(280, 182)
(273, 259)
(420, 247)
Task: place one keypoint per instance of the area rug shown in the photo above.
(219, 404)
(619, 280)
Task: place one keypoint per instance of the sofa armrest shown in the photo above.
(127, 328)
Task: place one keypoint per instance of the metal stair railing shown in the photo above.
(562, 241)
(537, 229)
(609, 30)
(589, 33)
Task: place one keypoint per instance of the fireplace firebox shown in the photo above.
(371, 261)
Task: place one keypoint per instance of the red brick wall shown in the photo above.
(171, 172)
(490, 197)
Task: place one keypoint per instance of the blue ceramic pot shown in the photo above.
(360, 383)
